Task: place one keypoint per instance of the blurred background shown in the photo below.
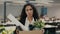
(50, 8)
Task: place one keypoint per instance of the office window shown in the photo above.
(44, 10)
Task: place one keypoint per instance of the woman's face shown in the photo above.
(29, 11)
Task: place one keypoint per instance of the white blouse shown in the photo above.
(27, 22)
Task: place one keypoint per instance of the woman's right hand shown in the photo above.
(17, 31)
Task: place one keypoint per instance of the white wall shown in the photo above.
(1, 11)
(13, 9)
(54, 11)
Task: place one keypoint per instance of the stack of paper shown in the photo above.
(16, 22)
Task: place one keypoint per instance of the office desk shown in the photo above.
(50, 29)
(10, 28)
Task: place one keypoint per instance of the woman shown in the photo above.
(29, 12)
(29, 15)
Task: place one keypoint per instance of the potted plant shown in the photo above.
(39, 24)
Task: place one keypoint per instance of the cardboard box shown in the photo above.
(31, 32)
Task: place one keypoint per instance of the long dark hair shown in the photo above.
(23, 13)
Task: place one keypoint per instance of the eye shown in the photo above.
(27, 10)
(31, 9)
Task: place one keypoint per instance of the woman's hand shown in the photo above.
(43, 30)
(17, 31)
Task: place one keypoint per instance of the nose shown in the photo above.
(29, 11)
